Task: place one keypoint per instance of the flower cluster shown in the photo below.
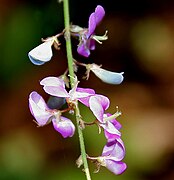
(114, 150)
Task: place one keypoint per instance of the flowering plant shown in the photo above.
(114, 150)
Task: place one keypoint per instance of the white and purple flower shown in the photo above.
(44, 115)
(56, 87)
(112, 156)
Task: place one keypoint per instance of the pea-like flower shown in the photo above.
(98, 104)
(44, 115)
(43, 53)
(105, 75)
(87, 36)
(56, 87)
(111, 158)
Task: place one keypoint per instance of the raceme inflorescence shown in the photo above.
(65, 90)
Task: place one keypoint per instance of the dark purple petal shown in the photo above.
(95, 19)
(64, 126)
(99, 14)
(91, 44)
(83, 49)
(39, 109)
(54, 86)
(116, 167)
(91, 25)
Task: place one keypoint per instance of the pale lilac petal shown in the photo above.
(54, 86)
(114, 149)
(85, 100)
(98, 104)
(111, 132)
(52, 81)
(114, 122)
(103, 100)
(64, 126)
(99, 14)
(116, 167)
(83, 93)
(86, 90)
(39, 109)
(83, 49)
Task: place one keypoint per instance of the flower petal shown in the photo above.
(116, 167)
(114, 121)
(110, 131)
(85, 100)
(98, 104)
(64, 126)
(94, 19)
(54, 86)
(83, 49)
(99, 14)
(107, 76)
(114, 149)
(41, 54)
(91, 44)
(39, 108)
(91, 25)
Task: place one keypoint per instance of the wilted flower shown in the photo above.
(105, 75)
(44, 115)
(43, 53)
(87, 36)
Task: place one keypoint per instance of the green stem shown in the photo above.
(72, 75)
(68, 41)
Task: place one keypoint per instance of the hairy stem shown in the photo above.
(72, 75)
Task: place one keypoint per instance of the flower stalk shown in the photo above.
(71, 73)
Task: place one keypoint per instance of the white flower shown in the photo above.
(42, 53)
(105, 75)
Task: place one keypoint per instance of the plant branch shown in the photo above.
(72, 77)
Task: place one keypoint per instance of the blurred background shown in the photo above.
(140, 44)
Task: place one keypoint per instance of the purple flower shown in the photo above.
(56, 87)
(87, 37)
(98, 104)
(111, 126)
(44, 115)
(114, 149)
(113, 153)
